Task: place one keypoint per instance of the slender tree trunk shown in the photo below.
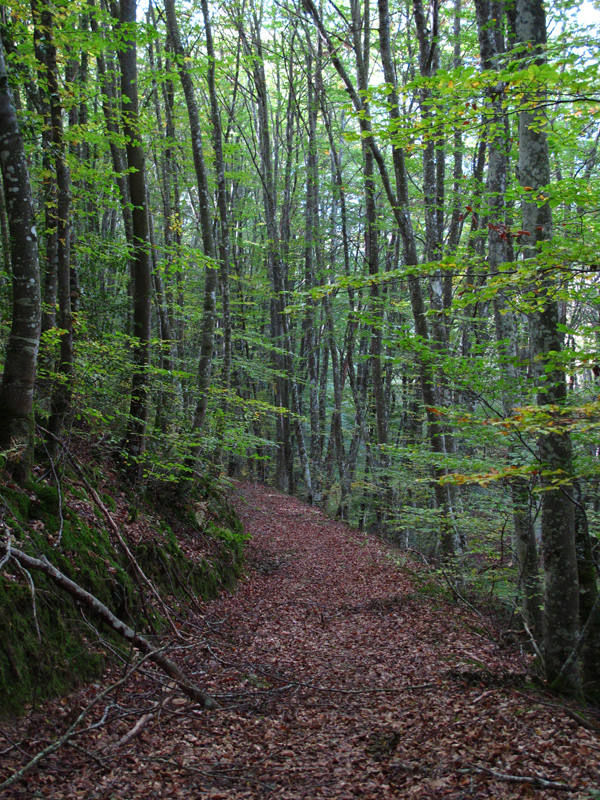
(142, 273)
(224, 238)
(490, 15)
(276, 264)
(401, 210)
(210, 284)
(61, 393)
(311, 255)
(18, 378)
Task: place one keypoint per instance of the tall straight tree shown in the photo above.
(561, 592)
(224, 247)
(43, 16)
(287, 384)
(140, 260)
(18, 378)
(210, 282)
(490, 18)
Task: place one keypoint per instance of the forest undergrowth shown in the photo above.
(336, 676)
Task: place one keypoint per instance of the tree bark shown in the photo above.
(18, 378)
(210, 284)
(142, 273)
(561, 591)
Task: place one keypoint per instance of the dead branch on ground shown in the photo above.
(102, 611)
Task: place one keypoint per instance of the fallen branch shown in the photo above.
(72, 729)
(533, 780)
(137, 728)
(145, 718)
(102, 611)
(139, 572)
(278, 676)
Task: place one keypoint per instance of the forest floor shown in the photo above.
(336, 678)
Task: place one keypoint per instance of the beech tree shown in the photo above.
(20, 360)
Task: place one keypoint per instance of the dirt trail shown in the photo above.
(336, 679)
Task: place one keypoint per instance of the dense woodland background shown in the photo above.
(349, 249)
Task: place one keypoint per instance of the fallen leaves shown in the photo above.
(335, 679)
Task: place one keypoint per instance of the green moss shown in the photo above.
(33, 668)
(17, 502)
(109, 502)
(66, 652)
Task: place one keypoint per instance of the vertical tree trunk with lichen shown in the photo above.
(561, 600)
(18, 378)
(490, 19)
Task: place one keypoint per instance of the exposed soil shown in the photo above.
(336, 678)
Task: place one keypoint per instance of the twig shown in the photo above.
(330, 689)
(147, 716)
(60, 499)
(580, 641)
(368, 690)
(100, 761)
(534, 780)
(71, 730)
(139, 572)
(6, 555)
(458, 595)
(33, 604)
(137, 728)
(533, 641)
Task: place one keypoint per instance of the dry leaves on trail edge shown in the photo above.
(336, 679)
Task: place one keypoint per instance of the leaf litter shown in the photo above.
(335, 678)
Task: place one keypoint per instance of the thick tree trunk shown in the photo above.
(18, 378)
(491, 44)
(561, 591)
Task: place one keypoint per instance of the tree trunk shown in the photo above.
(142, 274)
(18, 378)
(61, 394)
(561, 591)
(210, 284)
(491, 44)
(223, 239)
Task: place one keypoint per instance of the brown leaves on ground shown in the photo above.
(335, 678)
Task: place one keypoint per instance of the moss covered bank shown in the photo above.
(189, 548)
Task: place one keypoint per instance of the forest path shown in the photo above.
(336, 679)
